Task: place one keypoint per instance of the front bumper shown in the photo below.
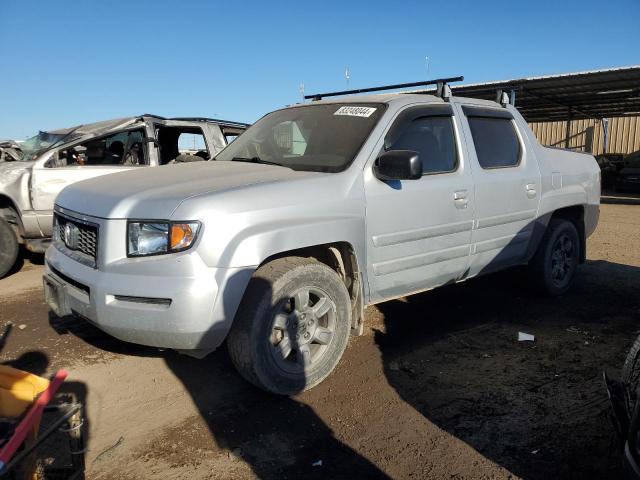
(171, 301)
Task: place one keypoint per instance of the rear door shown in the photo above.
(507, 185)
(99, 156)
(419, 231)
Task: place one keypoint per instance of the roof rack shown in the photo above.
(440, 82)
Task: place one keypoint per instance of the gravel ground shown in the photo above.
(438, 387)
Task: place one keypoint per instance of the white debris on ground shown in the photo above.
(526, 337)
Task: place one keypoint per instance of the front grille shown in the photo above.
(76, 235)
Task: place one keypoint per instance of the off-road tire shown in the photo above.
(542, 262)
(248, 342)
(8, 247)
(631, 367)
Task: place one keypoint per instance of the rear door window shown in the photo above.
(191, 143)
(496, 142)
(122, 148)
(178, 143)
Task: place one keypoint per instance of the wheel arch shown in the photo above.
(11, 213)
(341, 257)
(574, 214)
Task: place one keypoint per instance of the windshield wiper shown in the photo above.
(255, 160)
(63, 138)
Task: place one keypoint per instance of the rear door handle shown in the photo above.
(531, 190)
(460, 199)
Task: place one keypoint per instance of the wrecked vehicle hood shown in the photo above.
(12, 169)
(141, 194)
(14, 180)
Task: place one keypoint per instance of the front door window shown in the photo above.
(122, 148)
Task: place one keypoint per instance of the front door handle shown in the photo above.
(531, 190)
(460, 199)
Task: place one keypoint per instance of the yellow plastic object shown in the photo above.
(18, 390)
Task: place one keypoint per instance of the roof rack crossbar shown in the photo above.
(441, 81)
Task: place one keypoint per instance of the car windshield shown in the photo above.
(40, 142)
(316, 138)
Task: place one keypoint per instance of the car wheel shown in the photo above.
(556, 261)
(292, 326)
(8, 247)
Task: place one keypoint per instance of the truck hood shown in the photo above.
(155, 192)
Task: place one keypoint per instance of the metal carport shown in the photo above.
(592, 95)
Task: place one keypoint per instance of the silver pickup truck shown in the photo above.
(316, 211)
(34, 171)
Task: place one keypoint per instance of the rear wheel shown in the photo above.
(292, 326)
(8, 247)
(556, 261)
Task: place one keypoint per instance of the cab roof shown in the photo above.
(399, 99)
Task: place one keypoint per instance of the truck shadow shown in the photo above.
(277, 436)
(538, 409)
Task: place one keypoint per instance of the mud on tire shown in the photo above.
(292, 326)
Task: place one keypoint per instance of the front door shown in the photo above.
(419, 231)
(99, 156)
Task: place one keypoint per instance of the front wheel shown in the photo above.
(292, 326)
(8, 247)
(556, 261)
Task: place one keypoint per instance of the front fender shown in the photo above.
(256, 243)
(251, 246)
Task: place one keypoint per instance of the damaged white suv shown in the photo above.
(316, 211)
(34, 171)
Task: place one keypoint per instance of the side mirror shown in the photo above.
(398, 165)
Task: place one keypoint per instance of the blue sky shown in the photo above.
(68, 62)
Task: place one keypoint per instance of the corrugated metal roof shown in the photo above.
(613, 92)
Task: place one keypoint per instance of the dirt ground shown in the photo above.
(438, 387)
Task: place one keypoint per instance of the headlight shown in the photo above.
(156, 238)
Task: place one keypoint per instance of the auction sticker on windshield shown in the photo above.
(353, 111)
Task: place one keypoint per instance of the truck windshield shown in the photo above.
(316, 138)
(41, 142)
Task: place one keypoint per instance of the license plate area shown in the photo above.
(55, 295)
